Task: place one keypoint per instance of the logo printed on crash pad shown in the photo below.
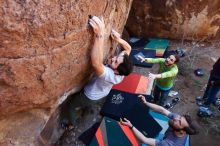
(117, 99)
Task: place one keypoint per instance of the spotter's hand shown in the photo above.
(141, 58)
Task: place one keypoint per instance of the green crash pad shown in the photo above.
(160, 45)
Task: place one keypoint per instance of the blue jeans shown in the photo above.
(160, 95)
(210, 93)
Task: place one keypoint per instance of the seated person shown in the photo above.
(176, 134)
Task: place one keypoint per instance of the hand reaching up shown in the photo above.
(126, 122)
(152, 76)
(115, 35)
(141, 58)
(142, 98)
(98, 25)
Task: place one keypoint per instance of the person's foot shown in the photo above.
(205, 98)
(204, 112)
(175, 100)
(217, 102)
(199, 98)
(206, 104)
(168, 106)
(200, 103)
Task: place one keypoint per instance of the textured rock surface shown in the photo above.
(191, 19)
(45, 48)
(45, 56)
(22, 129)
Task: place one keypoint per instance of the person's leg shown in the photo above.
(99, 102)
(206, 93)
(82, 105)
(212, 95)
(90, 105)
(156, 94)
(78, 102)
(163, 97)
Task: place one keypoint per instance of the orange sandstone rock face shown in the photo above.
(45, 48)
(175, 19)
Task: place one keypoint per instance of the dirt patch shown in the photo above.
(198, 55)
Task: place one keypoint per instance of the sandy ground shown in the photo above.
(198, 55)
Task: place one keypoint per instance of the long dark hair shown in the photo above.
(193, 127)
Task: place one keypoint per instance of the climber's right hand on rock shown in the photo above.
(98, 25)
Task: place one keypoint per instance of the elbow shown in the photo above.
(129, 48)
(164, 111)
(95, 64)
(161, 109)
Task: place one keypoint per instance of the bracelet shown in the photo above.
(132, 127)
